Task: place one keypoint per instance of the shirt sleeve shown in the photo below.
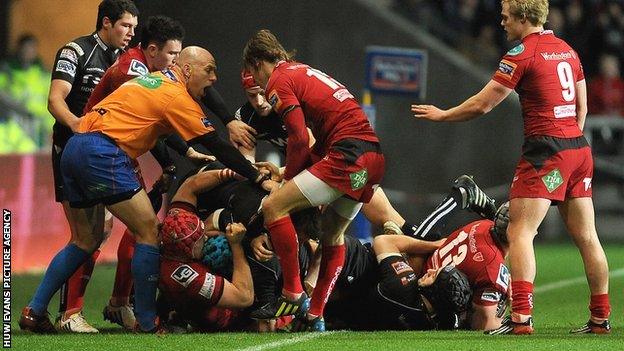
(510, 71)
(207, 286)
(187, 118)
(495, 289)
(282, 95)
(66, 62)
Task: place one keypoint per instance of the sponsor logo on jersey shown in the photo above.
(553, 180)
(556, 56)
(478, 257)
(66, 67)
(516, 50)
(149, 81)
(69, 54)
(506, 69)
(359, 179)
(274, 100)
(208, 287)
(137, 68)
(565, 111)
(410, 277)
(503, 277)
(491, 296)
(342, 94)
(76, 47)
(184, 275)
(401, 267)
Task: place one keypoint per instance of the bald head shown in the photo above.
(194, 55)
(199, 68)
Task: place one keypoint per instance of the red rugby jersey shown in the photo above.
(130, 64)
(544, 70)
(473, 251)
(330, 111)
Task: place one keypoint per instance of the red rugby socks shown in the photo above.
(332, 262)
(522, 298)
(123, 275)
(286, 246)
(600, 307)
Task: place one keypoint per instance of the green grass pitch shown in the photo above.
(558, 308)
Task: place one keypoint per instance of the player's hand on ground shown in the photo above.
(429, 112)
(275, 172)
(235, 232)
(242, 134)
(199, 157)
(261, 248)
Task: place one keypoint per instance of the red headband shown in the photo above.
(247, 80)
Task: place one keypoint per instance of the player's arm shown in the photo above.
(199, 183)
(298, 149)
(391, 244)
(63, 75)
(479, 104)
(229, 156)
(581, 103)
(241, 134)
(239, 293)
(484, 317)
(59, 89)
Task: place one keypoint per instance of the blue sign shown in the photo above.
(396, 71)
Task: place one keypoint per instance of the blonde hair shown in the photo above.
(264, 46)
(536, 11)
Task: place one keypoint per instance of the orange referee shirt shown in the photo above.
(144, 108)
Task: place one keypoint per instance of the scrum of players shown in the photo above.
(248, 246)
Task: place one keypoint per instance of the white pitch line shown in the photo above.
(289, 341)
(573, 281)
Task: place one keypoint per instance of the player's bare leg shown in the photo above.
(138, 215)
(525, 216)
(380, 212)
(578, 215)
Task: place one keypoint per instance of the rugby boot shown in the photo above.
(75, 323)
(39, 324)
(121, 315)
(510, 327)
(474, 198)
(593, 328)
(282, 307)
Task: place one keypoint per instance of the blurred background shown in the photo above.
(462, 41)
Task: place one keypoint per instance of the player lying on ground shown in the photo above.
(477, 249)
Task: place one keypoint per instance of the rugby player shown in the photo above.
(344, 168)
(257, 113)
(77, 69)
(556, 167)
